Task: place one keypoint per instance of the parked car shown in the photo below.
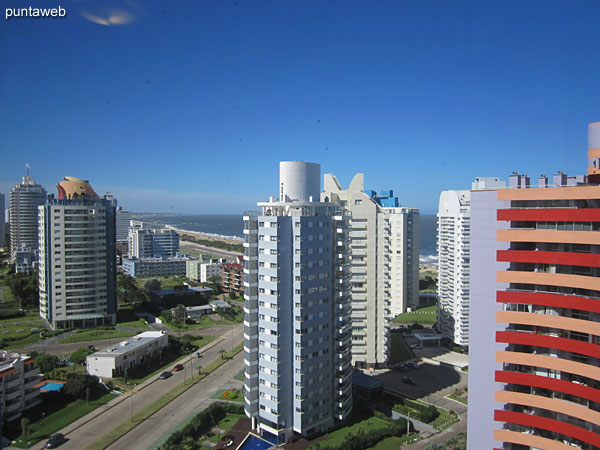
(409, 380)
(413, 365)
(165, 375)
(55, 440)
(178, 367)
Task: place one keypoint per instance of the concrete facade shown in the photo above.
(385, 264)
(114, 360)
(297, 337)
(198, 271)
(483, 307)
(19, 380)
(2, 223)
(155, 267)
(24, 201)
(77, 260)
(153, 243)
(123, 219)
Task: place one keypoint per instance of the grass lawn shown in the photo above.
(22, 331)
(202, 323)
(166, 282)
(399, 351)
(240, 376)
(95, 335)
(460, 395)
(395, 442)
(337, 437)
(140, 323)
(423, 316)
(226, 423)
(43, 428)
(445, 419)
(233, 395)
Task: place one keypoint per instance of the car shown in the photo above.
(178, 367)
(413, 365)
(409, 380)
(55, 440)
(165, 375)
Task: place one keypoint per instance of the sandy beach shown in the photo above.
(209, 237)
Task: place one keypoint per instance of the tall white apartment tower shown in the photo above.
(24, 201)
(297, 310)
(2, 224)
(454, 259)
(385, 264)
(77, 258)
(123, 219)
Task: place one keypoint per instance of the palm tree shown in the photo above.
(25, 427)
(222, 352)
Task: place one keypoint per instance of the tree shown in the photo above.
(25, 427)
(78, 383)
(127, 290)
(79, 355)
(199, 370)
(179, 314)
(214, 280)
(222, 352)
(24, 288)
(186, 341)
(46, 362)
(152, 285)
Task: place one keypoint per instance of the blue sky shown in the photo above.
(189, 106)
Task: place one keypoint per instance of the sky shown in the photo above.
(188, 106)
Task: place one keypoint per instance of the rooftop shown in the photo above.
(129, 344)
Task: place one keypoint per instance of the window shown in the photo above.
(358, 202)
(273, 251)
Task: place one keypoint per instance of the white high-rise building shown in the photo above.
(77, 258)
(123, 219)
(385, 264)
(454, 259)
(24, 201)
(297, 314)
(2, 224)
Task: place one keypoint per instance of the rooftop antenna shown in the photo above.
(27, 167)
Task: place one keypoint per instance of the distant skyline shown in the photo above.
(189, 107)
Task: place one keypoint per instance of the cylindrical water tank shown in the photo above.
(593, 135)
(594, 152)
(299, 180)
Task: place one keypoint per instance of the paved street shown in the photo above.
(92, 427)
(157, 428)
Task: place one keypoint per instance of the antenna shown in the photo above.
(27, 167)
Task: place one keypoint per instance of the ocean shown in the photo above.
(231, 226)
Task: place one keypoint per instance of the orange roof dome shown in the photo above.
(72, 188)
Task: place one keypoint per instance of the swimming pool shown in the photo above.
(253, 442)
(51, 386)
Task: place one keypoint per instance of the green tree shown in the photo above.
(79, 355)
(25, 427)
(222, 352)
(46, 362)
(179, 314)
(152, 285)
(24, 288)
(127, 290)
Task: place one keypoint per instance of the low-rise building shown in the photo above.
(182, 290)
(198, 271)
(155, 267)
(19, 379)
(129, 353)
(196, 312)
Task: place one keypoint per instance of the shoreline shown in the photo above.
(209, 236)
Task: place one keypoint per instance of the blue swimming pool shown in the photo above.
(253, 442)
(51, 386)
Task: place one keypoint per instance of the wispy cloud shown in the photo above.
(109, 17)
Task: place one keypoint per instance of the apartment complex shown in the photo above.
(232, 277)
(2, 224)
(123, 219)
(155, 267)
(385, 264)
(297, 309)
(198, 271)
(19, 379)
(454, 259)
(545, 388)
(24, 201)
(153, 243)
(77, 257)
(114, 360)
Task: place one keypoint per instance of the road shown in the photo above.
(204, 248)
(95, 425)
(157, 428)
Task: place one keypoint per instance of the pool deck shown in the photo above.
(243, 426)
(42, 383)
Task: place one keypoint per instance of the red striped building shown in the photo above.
(548, 388)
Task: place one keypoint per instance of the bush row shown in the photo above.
(201, 424)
